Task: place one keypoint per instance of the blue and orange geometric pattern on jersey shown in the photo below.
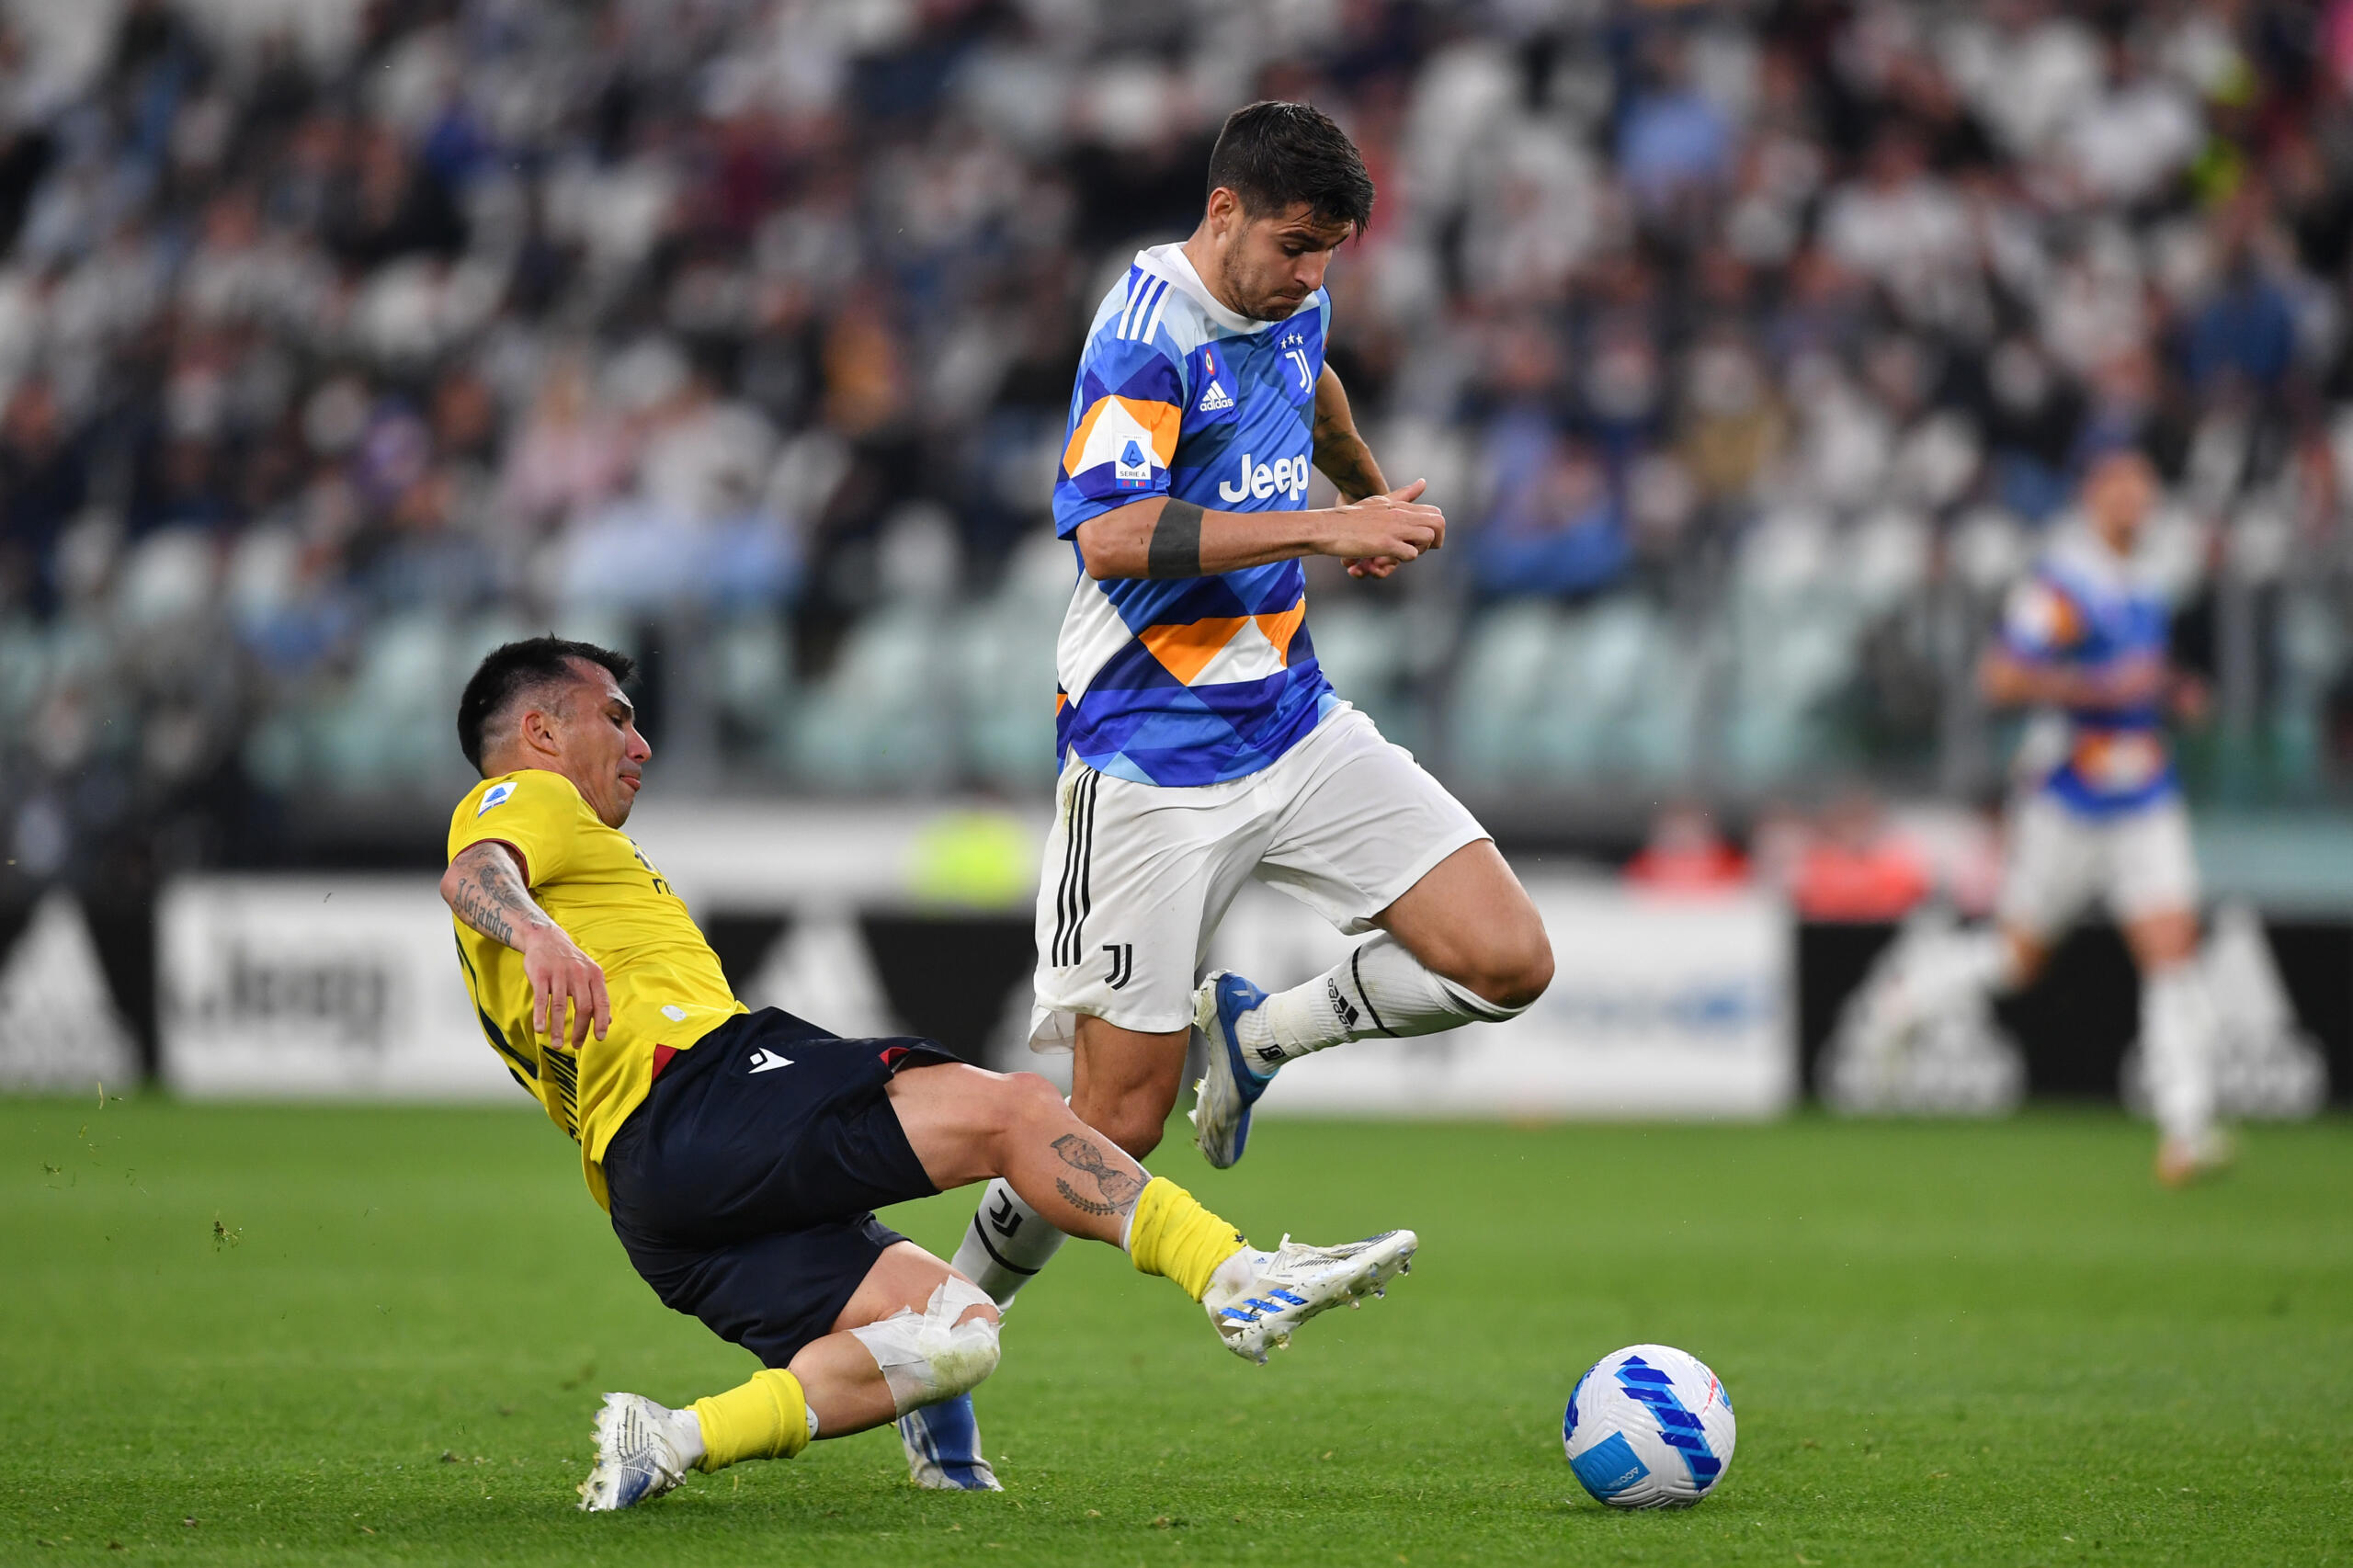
(2086, 610)
(1200, 679)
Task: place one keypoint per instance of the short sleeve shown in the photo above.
(2040, 621)
(1125, 414)
(537, 813)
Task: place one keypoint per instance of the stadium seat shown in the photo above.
(1366, 653)
(1499, 687)
(879, 720)
(750, 665)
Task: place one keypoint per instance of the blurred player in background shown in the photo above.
(2084, 638)
(742, 1154)
(1201, 744)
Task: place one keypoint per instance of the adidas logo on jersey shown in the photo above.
(1212, 400)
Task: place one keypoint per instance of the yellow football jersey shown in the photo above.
(664, 981)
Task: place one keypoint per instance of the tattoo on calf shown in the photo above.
(1083, 1205)
(1120, 1189)
(1176, 549)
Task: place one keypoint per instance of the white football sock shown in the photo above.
(1378, 989)
(1006, 1244)
(686, 1435)
(1943, 972)
(2178, 1031)
(1980, 961)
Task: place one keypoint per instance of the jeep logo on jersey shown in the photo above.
(1286, 477)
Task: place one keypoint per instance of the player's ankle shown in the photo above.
(686, 1435)
(1254, 1032)
(1236, 1272)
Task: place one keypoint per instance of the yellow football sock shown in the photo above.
(1175, 1237)
(767, 1418)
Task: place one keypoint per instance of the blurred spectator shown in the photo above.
(1555, 528)
(44, 481)
(1685, 854)
(1857, 865)
(1747, 345)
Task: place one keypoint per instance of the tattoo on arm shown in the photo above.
(1118, 1188)
(1176, 549)
(1347, 462)
(1340, 451)
(490, 895)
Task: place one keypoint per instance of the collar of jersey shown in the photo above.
(1170, 261)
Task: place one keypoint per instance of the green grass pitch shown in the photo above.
(263, 1335)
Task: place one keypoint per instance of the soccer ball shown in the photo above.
(1648, 1427)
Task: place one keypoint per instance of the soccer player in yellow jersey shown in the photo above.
(742, 1154)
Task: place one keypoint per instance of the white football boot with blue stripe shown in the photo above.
(943, 1443)
(1285, 1288)
(638, 1453)
(1222, 1098)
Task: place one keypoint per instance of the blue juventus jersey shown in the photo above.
(2086, 608)
(1194, 680)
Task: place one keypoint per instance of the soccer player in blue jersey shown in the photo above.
(1202, 745)
(2083, 640)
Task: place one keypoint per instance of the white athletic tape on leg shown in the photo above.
(926, 1359)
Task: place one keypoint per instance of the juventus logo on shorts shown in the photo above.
(1123, 963)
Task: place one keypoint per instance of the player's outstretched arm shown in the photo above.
(485, 887)
(1163, 536)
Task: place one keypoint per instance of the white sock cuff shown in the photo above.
(1006, 1243)
(1475, 1006)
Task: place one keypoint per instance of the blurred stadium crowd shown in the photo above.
(1748, 346)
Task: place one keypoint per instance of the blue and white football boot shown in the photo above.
(640, 1453)
(943, 1443)
(1222, 1098)
(1256, 1307)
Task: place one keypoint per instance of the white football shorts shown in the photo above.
(1137, 876)
(2140, 863)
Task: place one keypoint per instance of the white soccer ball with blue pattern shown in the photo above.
(1648, 1427)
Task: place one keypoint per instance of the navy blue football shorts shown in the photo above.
(745, 1187)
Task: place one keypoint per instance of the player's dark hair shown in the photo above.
(1273, 154)
(513, 668)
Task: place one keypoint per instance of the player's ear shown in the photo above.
(1225, 211)
(535, 726)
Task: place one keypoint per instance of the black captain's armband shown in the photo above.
(1176, 550)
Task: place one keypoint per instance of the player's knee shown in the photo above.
(1132, 1115)
(1513, 967)
(1020, 1109)
(1135, 1123)
(1032, 1094)
(947, 1350)
(1531, 974)
(2165, 941)
(1028, 1103)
